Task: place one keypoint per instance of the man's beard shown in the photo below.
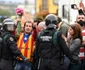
(81, 22)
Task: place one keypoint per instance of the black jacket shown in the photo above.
(10, 49)
(61, 44)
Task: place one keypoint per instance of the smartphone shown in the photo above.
(73, 6)
(80, 11)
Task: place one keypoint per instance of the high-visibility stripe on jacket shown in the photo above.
(28, 47)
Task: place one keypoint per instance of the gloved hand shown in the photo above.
(26, 60)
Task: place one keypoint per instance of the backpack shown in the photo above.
(2, 39)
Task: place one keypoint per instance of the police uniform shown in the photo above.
(49, 55)
(9, 48)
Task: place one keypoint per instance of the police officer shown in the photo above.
(49, 55)
(9, 48)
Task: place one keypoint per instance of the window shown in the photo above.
(65, 12)
(44, 4)
(55, 1)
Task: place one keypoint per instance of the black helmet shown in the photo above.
(51, 19)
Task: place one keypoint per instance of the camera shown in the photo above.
(74, 6)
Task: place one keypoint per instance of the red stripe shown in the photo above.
(82, 57)
(26, 48)
(82, 49)
(83, 33)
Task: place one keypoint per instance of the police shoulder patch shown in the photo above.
(11, 39)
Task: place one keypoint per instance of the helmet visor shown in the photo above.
(10, 27)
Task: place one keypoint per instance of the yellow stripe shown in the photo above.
(18, 42)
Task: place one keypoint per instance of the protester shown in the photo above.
(81, 20)
(41, 26)
(26, 44)
(74, 44)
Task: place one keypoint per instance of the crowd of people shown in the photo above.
(48, 44)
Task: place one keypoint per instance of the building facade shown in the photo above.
(44, 7)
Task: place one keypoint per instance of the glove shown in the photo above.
(26, 60)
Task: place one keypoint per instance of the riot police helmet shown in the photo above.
(51, 19)
(9, 24)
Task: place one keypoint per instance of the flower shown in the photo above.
(19, 11)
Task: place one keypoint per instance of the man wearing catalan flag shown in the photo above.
(26, 46)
